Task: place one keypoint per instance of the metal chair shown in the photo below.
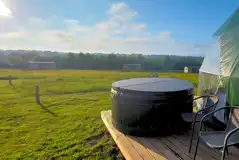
(210, 105)
(221, 139)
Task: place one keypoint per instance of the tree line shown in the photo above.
(97, 61)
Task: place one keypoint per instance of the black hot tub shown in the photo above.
(150, 106)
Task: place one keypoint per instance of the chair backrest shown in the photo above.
(209, 102)
(204, 102)
(221, 115)
(212, 100)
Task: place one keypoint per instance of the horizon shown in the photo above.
(125, 27)
(65, 53)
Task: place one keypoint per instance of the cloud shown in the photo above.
(118, 7)
(4, 11)
(37, 22)
(71, 21)
(12, 35)
(118, 33)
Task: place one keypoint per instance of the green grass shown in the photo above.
(68, 124)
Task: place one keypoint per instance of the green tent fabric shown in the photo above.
(220, 68)
(228, 37)
(229, 24)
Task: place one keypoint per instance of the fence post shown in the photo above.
(37, 94)
(10, 80)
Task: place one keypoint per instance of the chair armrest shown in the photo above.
(229, 134)
(198, 98)
(205, 96)
(201, 110)
(213, 105)
(235, 107)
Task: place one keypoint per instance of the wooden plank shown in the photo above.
(136, 146)
(162, 148)
(173, 147)
(124, 145)
(203, 151)
(184, 147)
(154, 151)
(142, 141)
(106, 117)
(140, 148)
(181, 146)
(177, 147)
(234, 152)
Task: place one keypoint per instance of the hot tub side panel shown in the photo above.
(150, 114)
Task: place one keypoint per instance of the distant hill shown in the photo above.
(97, 61)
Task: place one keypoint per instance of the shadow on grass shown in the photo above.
(47, 110)
(12, 86)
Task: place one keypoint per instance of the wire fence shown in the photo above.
(58, 89)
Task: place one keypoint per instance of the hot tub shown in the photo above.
(151, 106)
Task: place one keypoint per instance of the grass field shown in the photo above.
(67, 124)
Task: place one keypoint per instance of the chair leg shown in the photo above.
(223, 152)
(227, 151)
(191, 140)
(196, 149)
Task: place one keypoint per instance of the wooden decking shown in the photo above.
(173, 147)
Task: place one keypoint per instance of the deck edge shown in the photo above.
(117, 139)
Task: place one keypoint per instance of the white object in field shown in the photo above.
(185, 69)
(153, 75)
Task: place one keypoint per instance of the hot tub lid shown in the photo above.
(153, 85)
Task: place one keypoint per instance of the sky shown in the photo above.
(179, 27)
